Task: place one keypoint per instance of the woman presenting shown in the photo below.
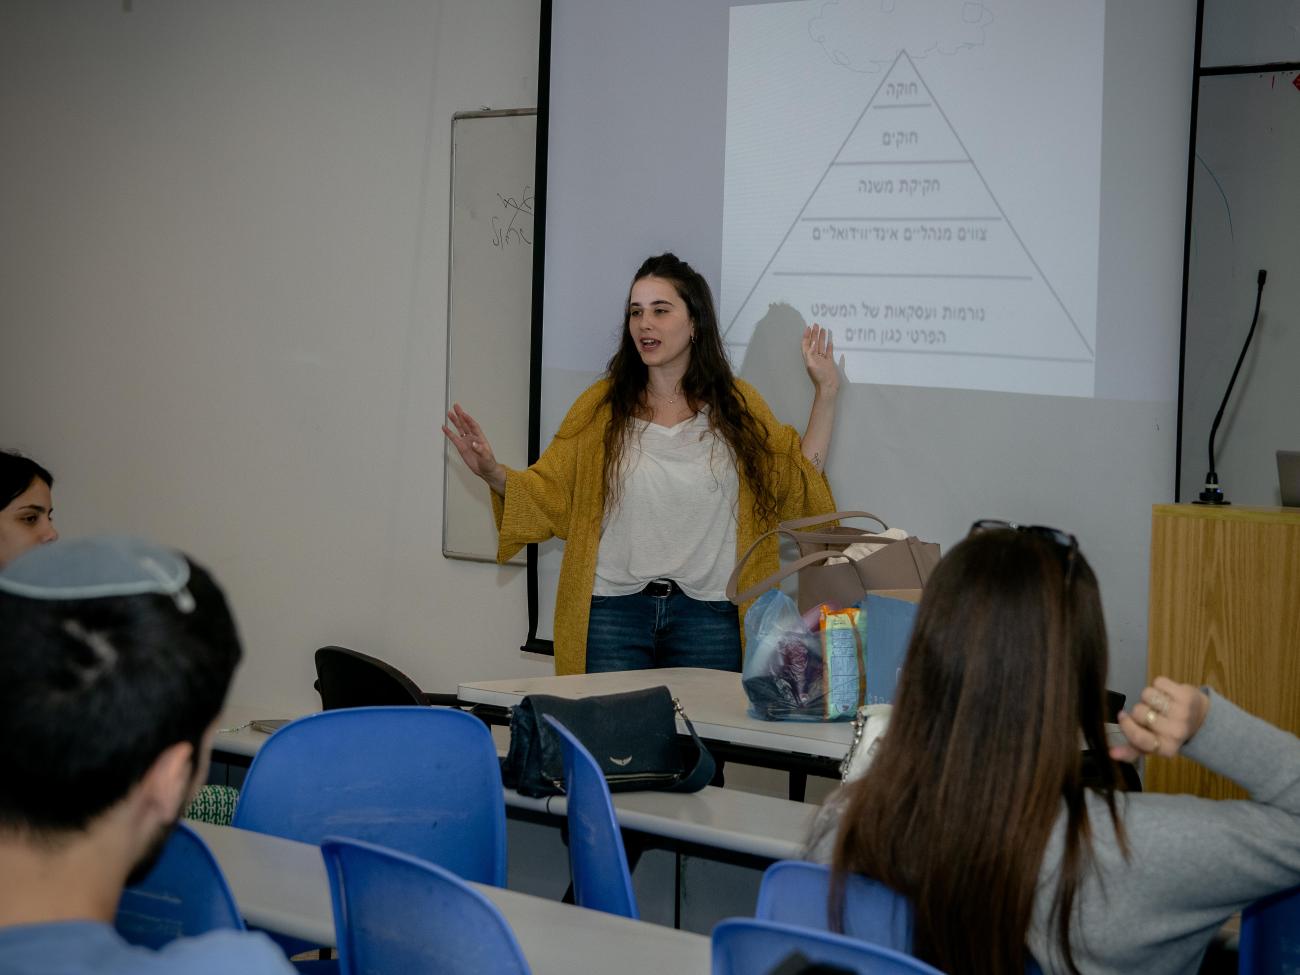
(660, 473)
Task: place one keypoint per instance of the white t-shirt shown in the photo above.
(676, 516)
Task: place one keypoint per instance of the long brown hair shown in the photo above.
(708, 382)
(1007, 664)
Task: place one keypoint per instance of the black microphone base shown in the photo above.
(1212, 494)
(1213, 504)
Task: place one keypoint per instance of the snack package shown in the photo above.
(842, 655)
(813, 618)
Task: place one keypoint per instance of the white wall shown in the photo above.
(223, 294)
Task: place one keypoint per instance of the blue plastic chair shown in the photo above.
(748, 946)
(796, 892)
(597, 859)
(425, 781)
(1270, 935)
(396, 913)
(183, 895)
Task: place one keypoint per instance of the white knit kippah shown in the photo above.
(95, 568)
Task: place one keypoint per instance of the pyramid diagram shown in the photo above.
(902, 247)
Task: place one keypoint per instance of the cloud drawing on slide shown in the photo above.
(866, 35)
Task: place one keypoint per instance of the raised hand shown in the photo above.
(1167, 717)
(472, 445)
(819, 359)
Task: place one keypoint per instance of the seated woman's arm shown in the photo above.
(1199, 860)
(1165, 719)
(1262, 759)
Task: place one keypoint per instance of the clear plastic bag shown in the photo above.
(786, 674)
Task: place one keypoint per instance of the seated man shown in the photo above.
(115, 657)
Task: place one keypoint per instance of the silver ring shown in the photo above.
(1151, 716)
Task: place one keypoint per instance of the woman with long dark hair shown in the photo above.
(975, 806)
(660, 474)
(26, 508)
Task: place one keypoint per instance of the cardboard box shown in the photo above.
(890, 616)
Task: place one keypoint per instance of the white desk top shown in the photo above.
(281, 885)
(235, 737)
(713, 699)
(722, 819)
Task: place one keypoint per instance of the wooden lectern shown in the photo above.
(1225, 612)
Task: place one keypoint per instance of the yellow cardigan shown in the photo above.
(562, 496)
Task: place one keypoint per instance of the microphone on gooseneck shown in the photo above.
(1212, 493)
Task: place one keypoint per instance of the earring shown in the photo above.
(692, 337)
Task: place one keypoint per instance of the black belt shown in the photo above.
(662, 588)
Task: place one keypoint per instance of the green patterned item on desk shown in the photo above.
(214, 804)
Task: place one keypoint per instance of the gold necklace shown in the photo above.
(669, 400)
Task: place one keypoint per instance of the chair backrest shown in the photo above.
(796, 892)
(425, 781)
(349, 679)
(1270, 935)
(185, 894)
(748, 946)
(597, 859)
(396, 913)
(1114, 705)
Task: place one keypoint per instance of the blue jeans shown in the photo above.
(641, 632)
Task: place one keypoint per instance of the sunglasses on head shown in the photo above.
(1062, 539)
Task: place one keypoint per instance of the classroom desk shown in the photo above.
(281, 885)
(716, 705)
(713, 699)
(718, 824)
(235, 742)
(755, 829)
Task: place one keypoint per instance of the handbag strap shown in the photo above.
(734, 580)
(842, 537)
(794, 524)
(702, 774)
(784, 572)
(791, 528)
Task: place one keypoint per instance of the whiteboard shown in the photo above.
(489, 310)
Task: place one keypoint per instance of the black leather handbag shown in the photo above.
(632, 736)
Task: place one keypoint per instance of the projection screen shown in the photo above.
(985, 202)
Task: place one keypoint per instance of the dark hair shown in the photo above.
(16, 475)
(708, 381)
(1007, 664)
(92, 691)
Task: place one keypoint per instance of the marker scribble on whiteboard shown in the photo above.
(517, 226)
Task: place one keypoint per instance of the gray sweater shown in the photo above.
(1193, 862)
